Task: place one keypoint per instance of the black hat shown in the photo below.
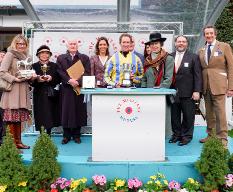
(155, 37)
(43, 48)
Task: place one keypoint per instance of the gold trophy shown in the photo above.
(126, 69)
(44, 69)
(25, 68)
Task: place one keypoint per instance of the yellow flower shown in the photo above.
(191, 180)
(74, 184)
(160, 175)
(119, 183)
(149, 182)
(165, 182)
(3, 188)
(153, 177)
(158, 183)
(83, 180)
(23, 184)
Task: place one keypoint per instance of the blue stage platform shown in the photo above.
(76, 160)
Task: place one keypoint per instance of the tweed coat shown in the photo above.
(18, 97)
(219, 70)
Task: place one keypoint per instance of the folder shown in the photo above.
(75, 72)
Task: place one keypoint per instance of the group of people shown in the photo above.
(209, 74)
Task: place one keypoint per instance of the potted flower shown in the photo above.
(157, 183)
(118, 185)
(134, 184)
(191, 185)
(60, 185)
(99, 183)
(174, 186)
(78, 185)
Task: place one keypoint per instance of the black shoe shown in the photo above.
(174, 139)
(184, 142)
(65, 141)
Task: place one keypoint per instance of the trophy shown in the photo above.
(25, 68)
(126, 69)
(44, 69)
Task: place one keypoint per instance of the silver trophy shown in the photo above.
(126, 69)
(25, 68)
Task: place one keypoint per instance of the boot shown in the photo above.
(18, 141)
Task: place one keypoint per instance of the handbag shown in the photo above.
(5, 85)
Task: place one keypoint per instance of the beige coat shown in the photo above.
(219, 71)
(18, 97)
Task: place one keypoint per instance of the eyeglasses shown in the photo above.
(21, 44)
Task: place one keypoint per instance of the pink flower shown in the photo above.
(99, 180)
(173, 185)
(229, 180)
(134, 183)
(53, 186)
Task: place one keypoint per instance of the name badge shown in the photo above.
(186, 64)
(215, 53)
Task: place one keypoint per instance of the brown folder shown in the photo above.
(75, 72)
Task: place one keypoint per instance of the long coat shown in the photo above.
(46, 109)
(18, 97)
(74, 112)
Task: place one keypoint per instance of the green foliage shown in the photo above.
(224, 24)
(12, 169)
(44, 168)
(213, 164)
(230, 163)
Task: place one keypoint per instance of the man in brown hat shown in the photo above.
(159, 65)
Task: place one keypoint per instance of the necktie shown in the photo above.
(178, 61)
(208, 52)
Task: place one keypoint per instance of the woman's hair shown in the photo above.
(97, 51)
(145, 52)
(16, 39)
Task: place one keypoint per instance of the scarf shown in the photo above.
(157, 64)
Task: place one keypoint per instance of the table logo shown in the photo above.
(128, 109)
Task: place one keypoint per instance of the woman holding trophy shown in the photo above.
(16, 102)
(45, 92)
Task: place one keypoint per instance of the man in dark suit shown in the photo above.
(188, 84)
(74, 114)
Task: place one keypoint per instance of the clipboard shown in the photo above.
(75, 72)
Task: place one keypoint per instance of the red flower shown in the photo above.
(54, 190)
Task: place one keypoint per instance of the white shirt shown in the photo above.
(177, 56)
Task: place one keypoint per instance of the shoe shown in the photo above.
(174, 139)
(22, 146)
(204, 139)
(77, 140)
(65, 141)
(184, 142)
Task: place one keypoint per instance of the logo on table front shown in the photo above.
(128, 110)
